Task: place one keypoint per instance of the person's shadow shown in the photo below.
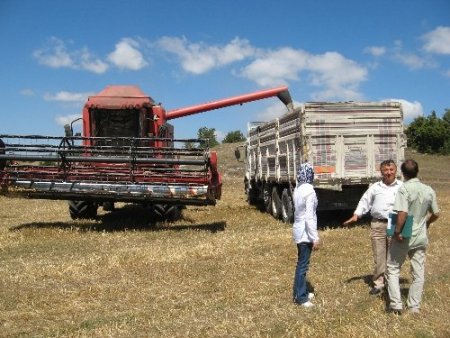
(367, 279)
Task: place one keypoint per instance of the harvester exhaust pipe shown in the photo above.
(281, 92)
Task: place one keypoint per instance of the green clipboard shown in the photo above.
(407, 227)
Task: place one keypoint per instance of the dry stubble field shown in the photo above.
(223, 271)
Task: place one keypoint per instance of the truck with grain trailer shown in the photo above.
(345, 142)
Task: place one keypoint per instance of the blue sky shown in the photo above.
(182, 53)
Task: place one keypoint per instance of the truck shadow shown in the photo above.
(334, 218)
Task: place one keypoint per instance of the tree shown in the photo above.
(234, 136)
(446, 116)
(446, 147)
(429, 134)
(209, 134)
(189, 145)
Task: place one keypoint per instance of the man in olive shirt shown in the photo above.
(419, 201)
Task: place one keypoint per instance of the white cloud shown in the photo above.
(447, 73)
(199, 58)
(411, 60)
(27, 92)
(91, 63)
(277, 67)
(67, 119)
(414, 61)
(54, 55)
(437, 41)
(64, 96)
(375, 50)
(338, 76)
(411, 110)
(127, 55)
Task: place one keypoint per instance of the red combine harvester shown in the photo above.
(127, 153)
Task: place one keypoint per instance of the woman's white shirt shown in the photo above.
(305, 217)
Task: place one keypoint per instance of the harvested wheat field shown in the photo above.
(223, 271)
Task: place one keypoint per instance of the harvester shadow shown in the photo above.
(128, 218)
(117, 226)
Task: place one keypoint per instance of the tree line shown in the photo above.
(430, 134)
(426, 134)
(210, 135)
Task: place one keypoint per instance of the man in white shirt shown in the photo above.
(379, 200)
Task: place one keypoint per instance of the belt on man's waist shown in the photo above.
(384, 220)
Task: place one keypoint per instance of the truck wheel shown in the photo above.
(276, 203)
(82, 209)
(252, 196)
(287, 209)
(252, 193)
(267, 195)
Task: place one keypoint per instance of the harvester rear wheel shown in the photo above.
(82, 209)
(287, 207)
(276, 203)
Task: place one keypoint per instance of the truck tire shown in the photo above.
(82, 209)
(252, 196)
(267, 196)
(276, 203)
(287, 207)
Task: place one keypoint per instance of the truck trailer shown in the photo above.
(345, 142)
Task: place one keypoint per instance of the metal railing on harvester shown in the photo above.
(106, 168)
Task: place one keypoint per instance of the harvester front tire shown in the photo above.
(173, 213)
(108, 206)
(82, 209)
(166, 212)
(287, 207)
(276, 203)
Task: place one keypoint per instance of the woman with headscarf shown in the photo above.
(304, 232)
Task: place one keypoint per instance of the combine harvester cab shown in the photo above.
(127, 153)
